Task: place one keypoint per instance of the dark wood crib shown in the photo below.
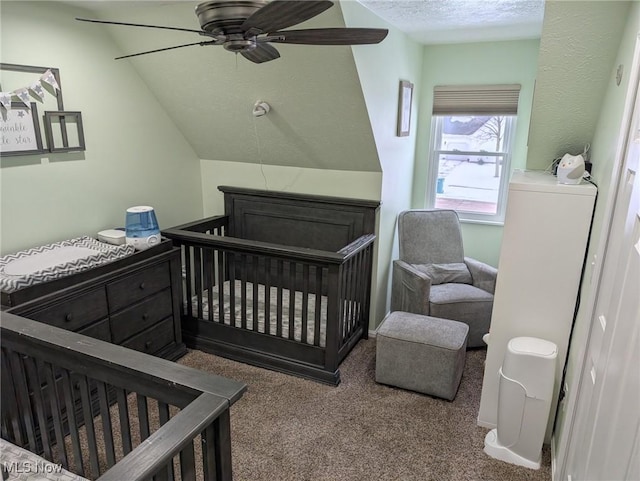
(280, 281)
(149, 418)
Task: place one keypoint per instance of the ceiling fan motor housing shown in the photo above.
(223, 16)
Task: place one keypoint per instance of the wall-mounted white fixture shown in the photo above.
(260, 108)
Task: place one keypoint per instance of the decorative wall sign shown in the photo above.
(63, 128)
(20, 130)
(404, 108)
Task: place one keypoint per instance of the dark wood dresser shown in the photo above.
(134, 302)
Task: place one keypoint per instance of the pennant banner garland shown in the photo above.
(47, 82)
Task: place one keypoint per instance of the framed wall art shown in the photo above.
(404, 108)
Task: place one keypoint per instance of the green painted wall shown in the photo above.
(479, 63)
(338, 183)
(380, 71)
(134, 152)
(578, 45)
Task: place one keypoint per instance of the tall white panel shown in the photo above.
(543, 248)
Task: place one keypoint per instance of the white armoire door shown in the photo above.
(605, 443)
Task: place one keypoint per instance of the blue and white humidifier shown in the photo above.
(141, 228)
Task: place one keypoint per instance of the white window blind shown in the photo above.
(476, 99)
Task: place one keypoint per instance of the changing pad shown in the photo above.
(53, 261)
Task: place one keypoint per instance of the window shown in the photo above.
(472, 130)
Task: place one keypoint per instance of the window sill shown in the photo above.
(497, 223)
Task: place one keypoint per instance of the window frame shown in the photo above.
(507, 154)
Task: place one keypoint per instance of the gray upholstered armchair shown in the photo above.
(433, 277)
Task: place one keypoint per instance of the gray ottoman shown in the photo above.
(421, 353)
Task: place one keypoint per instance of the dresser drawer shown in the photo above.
(99, 330)
(154, 338)
(75, 313)
(141, 316)
(133, 288)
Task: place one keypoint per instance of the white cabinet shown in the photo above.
(543, 247)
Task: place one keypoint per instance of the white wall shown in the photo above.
(134, 152)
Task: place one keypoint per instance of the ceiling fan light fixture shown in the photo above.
(239, 45)
(226, 15)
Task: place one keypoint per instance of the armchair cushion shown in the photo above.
(444, 273)
(465, 303)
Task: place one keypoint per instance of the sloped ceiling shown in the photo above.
(318, 116)
(578, 45)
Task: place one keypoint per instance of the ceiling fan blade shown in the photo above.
(262, 53)
(209, 42)
(330, 36)
(279, 14)
(200, 32)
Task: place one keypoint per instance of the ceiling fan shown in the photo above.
(249, 27)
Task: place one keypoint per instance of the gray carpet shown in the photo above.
(286, 428)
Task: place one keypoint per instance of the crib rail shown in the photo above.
(300, 309)
(109, 413)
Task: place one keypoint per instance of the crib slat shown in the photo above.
(198, 279)
(279, 282)
(143, 416)
(221, 301)
(70, 405)
(164, 415)
(267, 295)
(292, 299)
(254, 284)
(243, 292)
(56, 414)
(211, 280)
(18, 374)
(125, 426)
(188, 287)
(188, 463)
(221, 441)
(210, 467)
(318, 310)
(87, 416)
(107, 429)
(10, 400)
(360, 293)
(231, 262)
(305, 302)
(36, 387)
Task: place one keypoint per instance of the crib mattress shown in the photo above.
(54, 261)
(23, 465)
(255, 321)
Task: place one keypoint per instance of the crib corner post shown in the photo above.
(334, 318)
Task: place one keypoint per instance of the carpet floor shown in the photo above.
(290, 429)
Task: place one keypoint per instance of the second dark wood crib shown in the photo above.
(280, 281)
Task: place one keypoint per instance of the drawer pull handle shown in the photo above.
(145, 317)
(142, 286)
(68, 317)
(147, 345)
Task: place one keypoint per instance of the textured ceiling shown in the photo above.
(460, 21)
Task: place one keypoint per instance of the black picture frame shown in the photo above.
(65, 118)
(20, 130)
